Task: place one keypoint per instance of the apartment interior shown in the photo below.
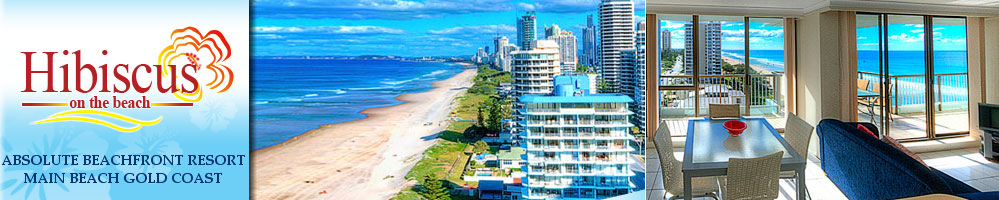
(912, 128)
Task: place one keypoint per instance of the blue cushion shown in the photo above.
(979, 195)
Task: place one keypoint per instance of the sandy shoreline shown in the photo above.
(734, 61)
(360, 159)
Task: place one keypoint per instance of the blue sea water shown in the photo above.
(913, 62)
(291, 96)
(912, 90)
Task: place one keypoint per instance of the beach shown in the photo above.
(361, 159)
(734, 61)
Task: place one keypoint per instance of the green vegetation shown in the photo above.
(583, 69)
(488, 79)
(497, 112)
(448, 157)
(736, 68)
(481, 147)
(668, 58)
(603, 87)
(434, 189)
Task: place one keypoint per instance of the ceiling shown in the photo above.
(800, 7)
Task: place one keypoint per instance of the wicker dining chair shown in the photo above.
(798, 134)
(672, 176)
(751, 178)
(723, 110)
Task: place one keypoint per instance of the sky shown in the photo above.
(909, 37)
(902, 37)
(409, 28)
(764, 34)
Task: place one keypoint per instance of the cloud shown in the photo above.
(906, 37)
(360, 40)
(574, 6)
(733, 38)
(374, 9)
(481, 29)
(526, 6)
(672, 25)
(328, 29)
(755, 33)
(948, 40)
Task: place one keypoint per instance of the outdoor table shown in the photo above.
(866, 93)
(709, 146)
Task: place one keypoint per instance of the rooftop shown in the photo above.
(511, 154)
(574, 89)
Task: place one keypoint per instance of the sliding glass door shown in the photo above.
(950, 76)
(911, 84)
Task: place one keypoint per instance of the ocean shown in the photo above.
(291, 96)
(912, 62)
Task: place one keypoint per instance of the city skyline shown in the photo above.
(404, 28)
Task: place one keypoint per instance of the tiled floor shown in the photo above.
(963, 164)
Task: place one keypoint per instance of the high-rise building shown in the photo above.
(665, 40)
(526, 30)
(566, 44)
(590, 49)
(617, 32)
(577, 144)
(502, 57)
(709, 48)
(534, 69)
(639, 81)
(480, 56)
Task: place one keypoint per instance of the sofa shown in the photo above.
(864, 167)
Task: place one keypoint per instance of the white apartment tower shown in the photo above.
(534, 69)
(617, 32)
(567, 46)
(502, 57)
(709, 48)
(577, 143)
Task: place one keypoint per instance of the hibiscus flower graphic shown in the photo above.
(213, 115)
(62, 142)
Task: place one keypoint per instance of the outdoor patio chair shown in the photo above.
(878, 101)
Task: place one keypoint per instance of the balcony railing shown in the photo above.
(907, 93)
(763, 94)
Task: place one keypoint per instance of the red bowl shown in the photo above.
(734, 127)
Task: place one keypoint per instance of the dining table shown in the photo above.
(709, 147)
